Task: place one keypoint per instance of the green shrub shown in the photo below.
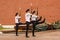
(56, 25)
(41, 27)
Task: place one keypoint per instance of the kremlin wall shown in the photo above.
(49, 9)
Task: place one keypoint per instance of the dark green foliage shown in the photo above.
(56, 25)
(41, 27)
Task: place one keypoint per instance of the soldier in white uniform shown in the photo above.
(27, 19)
(35, 21)
(33, 18)
(17, 18)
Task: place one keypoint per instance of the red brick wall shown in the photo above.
(50, 9)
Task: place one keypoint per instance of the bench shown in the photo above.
(23, 27)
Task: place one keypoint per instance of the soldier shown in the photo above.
(35, 21)
(17, 17)
(27, 18)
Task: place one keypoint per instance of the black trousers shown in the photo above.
(27, 27)
(17, 28)
(33, 25)
(17, 25)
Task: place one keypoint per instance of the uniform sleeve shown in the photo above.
(36, 16)
(19, 16)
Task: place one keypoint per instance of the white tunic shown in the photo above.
(17, 19)
(34, 17)
(27, 17)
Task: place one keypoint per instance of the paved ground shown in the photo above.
(43, 35)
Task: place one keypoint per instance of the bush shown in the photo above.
(56, 25)
(41, 27)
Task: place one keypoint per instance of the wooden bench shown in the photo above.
(23, 27)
